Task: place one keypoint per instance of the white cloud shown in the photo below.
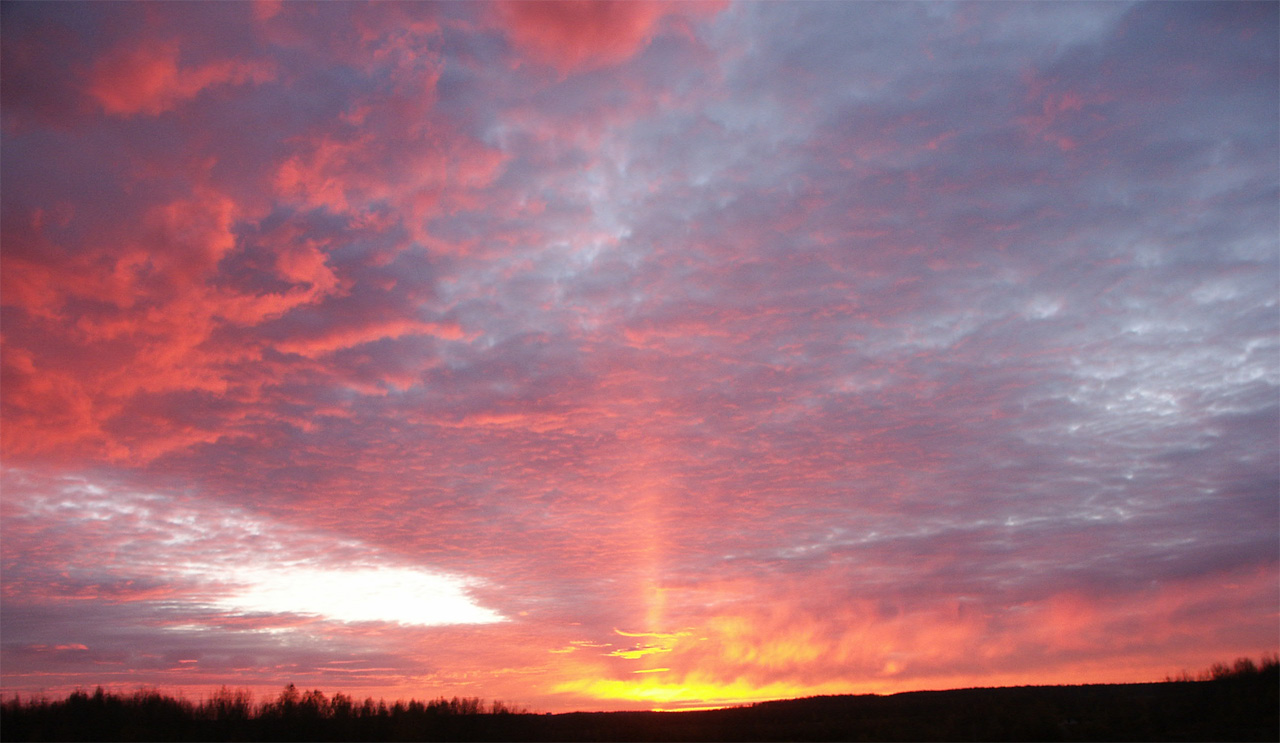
(404, 595)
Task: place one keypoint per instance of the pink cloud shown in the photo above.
(157, 316)
(741, 364)
(579, 34)
(342, 338)
(146, 77)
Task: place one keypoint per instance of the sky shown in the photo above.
(637, 355)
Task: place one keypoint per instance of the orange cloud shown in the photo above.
(146, 78)
(583, 34)
(339, 339)
(152, 308)
(731, 330)
(43, 408)
(768, 645)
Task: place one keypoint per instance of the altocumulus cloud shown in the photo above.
(593, 355)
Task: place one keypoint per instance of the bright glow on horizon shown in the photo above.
(812, 365)
(695, 690)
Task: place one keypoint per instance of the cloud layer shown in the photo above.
(719, 351)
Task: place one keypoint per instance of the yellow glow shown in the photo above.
(731, 660)
(654, 635)
(694, 689)
(633, 653)
(665, 642)
(742, 643)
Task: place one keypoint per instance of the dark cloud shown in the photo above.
(769, 349)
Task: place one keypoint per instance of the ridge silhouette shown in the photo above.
(1226, 702)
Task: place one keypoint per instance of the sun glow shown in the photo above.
(700, 670)
(692, 691)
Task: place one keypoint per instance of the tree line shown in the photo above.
(1238, 701)
(233, 715)
(1242, 668)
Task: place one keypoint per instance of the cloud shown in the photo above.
(182, 573)
(361, 595)
(574, 36)
(147, 78)
(819, 348)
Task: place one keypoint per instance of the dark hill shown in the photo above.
(1177, 711)
(1235, 706)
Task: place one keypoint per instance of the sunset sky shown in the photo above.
(630, 355)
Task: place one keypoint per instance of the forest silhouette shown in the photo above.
(1227, 702)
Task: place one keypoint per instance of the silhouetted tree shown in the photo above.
(1236, 701)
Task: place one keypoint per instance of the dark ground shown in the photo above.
(1239, 705)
